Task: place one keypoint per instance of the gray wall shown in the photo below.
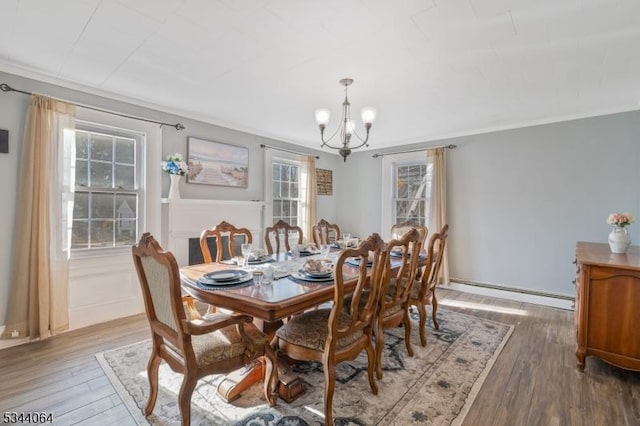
(13, 107)
(520, 199)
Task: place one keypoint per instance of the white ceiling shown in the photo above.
(431, 68)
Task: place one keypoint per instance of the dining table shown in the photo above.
(269, 304)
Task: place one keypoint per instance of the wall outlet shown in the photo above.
(15, 333)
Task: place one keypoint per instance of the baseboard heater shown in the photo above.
(513, 289)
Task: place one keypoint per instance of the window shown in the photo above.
(411, 191)
(287, 194)
(406, 190)
(107, 187)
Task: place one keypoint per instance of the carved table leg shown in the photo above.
(240, 380)
(289, 385)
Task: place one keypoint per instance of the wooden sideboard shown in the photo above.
(607, 310)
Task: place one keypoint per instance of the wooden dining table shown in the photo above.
(269, 304)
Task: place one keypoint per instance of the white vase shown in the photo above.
(619, 240)
(174, 189)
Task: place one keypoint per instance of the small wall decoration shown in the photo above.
(215, 163)
(324, 179)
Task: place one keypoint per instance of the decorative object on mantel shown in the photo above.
(347, 126)
(176, 167)
(215, 163)
(619, 238)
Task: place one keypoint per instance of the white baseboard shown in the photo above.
(554, 302)
(7, 343)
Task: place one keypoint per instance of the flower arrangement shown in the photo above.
(175, 165)
(620, 219)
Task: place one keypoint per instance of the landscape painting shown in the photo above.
(215, 163)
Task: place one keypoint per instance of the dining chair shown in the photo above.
(399, 229)
(423, 291)
(217, 344)
(325, 233)
(333, 335)
(279, 235)
(393, 308)
(219, 231)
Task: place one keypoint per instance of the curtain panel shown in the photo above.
(311, 211)
(38, 302)
(438, 207)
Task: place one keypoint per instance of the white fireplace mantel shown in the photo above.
(183, 219)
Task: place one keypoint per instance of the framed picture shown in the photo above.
(215, 163)
(324, 182)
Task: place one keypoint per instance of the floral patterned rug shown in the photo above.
(436, 386)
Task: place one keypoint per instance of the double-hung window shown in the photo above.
(406, 192)
(412, 189)
(107, 199)
(287, 194)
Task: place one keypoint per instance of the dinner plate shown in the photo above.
(226, 275)
(211, 283)
(316, 274)
(304, 277)
(399, 254)
(355, 261)
(262, 259)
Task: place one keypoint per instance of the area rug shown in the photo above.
(436, 386)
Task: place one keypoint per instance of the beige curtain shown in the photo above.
(438, 207)
(311, 211)
(38, 302)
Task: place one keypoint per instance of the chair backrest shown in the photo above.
(362, 316)
(435, 253)
(399, 229)
(159, 278)
(222, 229)
(279, 235)
(408, 253)
(325, 232)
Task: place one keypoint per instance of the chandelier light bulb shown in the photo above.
(350, 127)
(322, 116)
(368, 115)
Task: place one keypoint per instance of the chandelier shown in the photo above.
(347, 127)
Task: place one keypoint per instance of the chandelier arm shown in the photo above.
(326, 141)
(362, 144)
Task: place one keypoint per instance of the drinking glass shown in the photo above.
(246, 252)
(346, 239)
(324, 250)
(257, 277)
(295, 249)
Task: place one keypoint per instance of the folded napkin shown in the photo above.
(318, 266)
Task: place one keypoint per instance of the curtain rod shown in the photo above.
(414, 150)
(178, 126)
(262, 145)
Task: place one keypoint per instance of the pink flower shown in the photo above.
(620, 219)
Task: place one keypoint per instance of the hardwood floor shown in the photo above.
(533, 382)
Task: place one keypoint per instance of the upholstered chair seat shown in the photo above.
(310, 330)
(224, 343)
